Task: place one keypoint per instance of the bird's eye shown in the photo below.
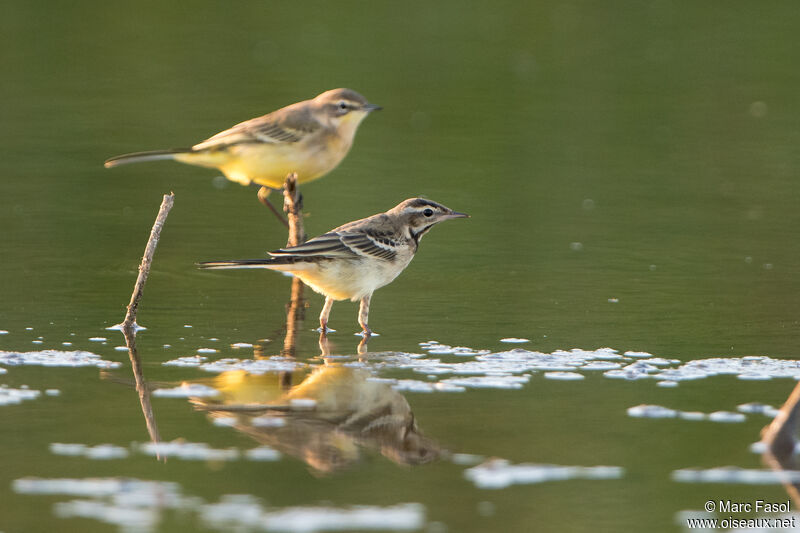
(428, 212)
(343, 105)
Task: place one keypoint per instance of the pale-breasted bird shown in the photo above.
(353, 260)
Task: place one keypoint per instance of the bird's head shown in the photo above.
(343, 109)
(419, 215)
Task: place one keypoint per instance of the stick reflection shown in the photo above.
(142, 387)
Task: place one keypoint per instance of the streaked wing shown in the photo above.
(366, 244)
(343, 244)
(327, 245)
(275, 128)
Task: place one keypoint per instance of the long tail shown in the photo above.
(241, 263)
(138, 157)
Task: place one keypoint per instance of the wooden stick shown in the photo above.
(147, 259)
(293, 207)
(295, 309)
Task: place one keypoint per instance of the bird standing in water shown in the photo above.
(353, 260)
(310, 138)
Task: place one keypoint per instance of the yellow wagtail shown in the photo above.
(352, 261)
(310, 138)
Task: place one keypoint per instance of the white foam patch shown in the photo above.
(3, 370)
(499, 473)
(138, 505)
(466, 459)
(224, 421)
(651, 411)
(637, 354)
(514, 340)
(726, 416)
(267, 421)
(245, 513)
(128, 518)
(56, 358)
(10, 396)
(93, 487)
(187, 390)
(564, 376)
(751, 367)
(446, 349)
(413, 385)
(658, 411)
(262, 453)
(253, 366)
(758, 408)
(207, 350)
(190, 360)
(100, 452)
(241, 345)
(3, 332)
(733, 474)
(488, 382)
(517, 361)
(188, 451)
(97, 339)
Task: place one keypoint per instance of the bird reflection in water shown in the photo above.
(327, 416)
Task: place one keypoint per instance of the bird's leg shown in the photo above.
(363, 315)
(323, 316)
(263, 197)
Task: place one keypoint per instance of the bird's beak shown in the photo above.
(371, 107)
(456, 214)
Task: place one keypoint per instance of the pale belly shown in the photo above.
(347, 279)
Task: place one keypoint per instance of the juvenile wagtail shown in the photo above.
(309, 138)
(351, 261)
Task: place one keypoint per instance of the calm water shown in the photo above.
(632, 176)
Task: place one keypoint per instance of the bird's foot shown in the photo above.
(263, 197)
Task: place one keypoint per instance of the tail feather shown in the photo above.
(239, 263)
(138, 157)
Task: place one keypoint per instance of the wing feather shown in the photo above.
(288, 125)
(343, 244)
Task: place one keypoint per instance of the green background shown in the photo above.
(661, 136)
